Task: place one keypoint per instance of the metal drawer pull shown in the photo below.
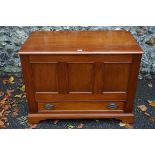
(48, 106)
(112, 106)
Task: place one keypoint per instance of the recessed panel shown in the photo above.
(45, 77)
(80, 77)
(116, 77)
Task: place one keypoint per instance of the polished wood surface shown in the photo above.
(44, 71)
(125, 117)
(80, 58)
(80, 85)
(86, 106)
(77, 42)
(115, 71)
(80, 96)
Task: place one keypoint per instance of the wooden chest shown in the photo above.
(80, 74)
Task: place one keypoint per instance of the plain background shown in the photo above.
(77, 13)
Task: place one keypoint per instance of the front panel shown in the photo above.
(80, 77)
(45, 77)
(99, 77)
(116, 77)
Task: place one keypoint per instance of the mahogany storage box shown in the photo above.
(80, 74)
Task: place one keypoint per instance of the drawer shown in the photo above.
(80, 106)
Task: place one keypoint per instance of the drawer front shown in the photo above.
(80, 106)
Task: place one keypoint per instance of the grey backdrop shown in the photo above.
(11, 39)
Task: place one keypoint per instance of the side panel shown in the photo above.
(132, 84)
(29, 85)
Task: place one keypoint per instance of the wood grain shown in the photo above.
(47, 96)
(132, 83)
(80, 76)
(68, 42)
(121, 58)
(95, 106)
(45, 77)
(116, 77)
(36, 118)
(29, 84)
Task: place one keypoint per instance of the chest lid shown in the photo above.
(81, 42)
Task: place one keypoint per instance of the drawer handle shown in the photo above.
(48, 106)
(112, 106)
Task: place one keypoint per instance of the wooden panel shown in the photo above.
(98, 78)
(79, 106)
(125, 117)
(81, 58)
(80, 77)
(133, 77)
(45, 97)
(67, 42)
(45, 77)
(116, 77)
(63, 77)
(29, 85)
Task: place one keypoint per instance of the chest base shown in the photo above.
(124, 117)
